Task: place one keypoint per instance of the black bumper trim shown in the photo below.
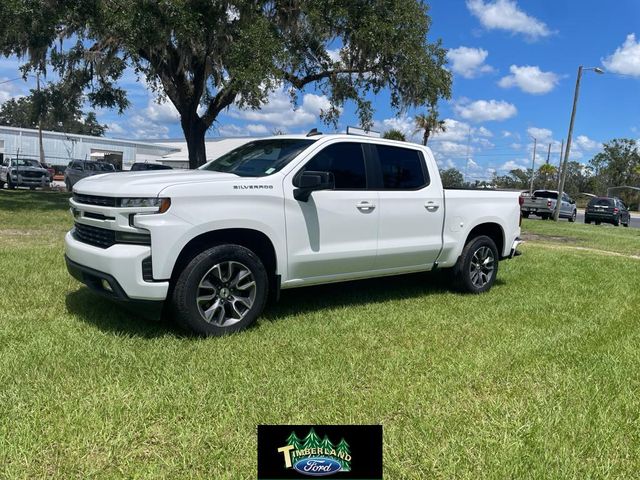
(93, 279)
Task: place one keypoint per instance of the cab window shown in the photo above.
(346, 162)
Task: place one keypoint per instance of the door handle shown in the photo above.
(365, 206)
(431, 206)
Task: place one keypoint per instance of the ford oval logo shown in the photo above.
(317, 466)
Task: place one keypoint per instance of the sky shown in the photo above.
(514, 65)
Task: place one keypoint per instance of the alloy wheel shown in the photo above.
(482, 266)
(226, 293)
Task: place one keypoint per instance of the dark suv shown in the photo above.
(79, 169)
(607, 210)
(144, 166)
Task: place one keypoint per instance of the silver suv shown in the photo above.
(79, 169)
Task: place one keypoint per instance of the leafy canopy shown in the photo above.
(207, 55)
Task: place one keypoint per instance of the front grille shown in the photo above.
(147, 270)
(95, 200)
(98, 237)
(29, 174)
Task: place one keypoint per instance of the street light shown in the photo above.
(563, 176)
(533, 165)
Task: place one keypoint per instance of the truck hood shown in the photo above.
(30, 169)
(145, 184)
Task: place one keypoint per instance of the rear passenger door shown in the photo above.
(411, 209)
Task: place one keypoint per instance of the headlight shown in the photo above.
(162, 204)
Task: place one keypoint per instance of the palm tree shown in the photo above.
(394, 134)
(429, 124)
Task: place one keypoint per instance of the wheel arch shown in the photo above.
(490, 229)
(255, 240)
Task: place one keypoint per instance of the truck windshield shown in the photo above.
(259, 158)
(24, 162)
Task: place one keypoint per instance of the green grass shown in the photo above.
(539, 378)
(601, 237)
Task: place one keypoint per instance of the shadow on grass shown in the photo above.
(119, 318)
(34, 200)
(125, 319)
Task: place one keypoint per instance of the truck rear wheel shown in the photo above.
(222, 290)
(477, 266)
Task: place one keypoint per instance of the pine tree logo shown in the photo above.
(316, 456)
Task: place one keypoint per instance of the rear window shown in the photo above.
(601, 201)
(546, 194)
(401, 168)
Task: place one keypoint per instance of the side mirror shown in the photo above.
(572, 202)
(311, 181)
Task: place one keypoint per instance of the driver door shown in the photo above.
(334, 233)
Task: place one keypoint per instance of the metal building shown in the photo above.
(61, 148)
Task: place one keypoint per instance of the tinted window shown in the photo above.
(545, 194)
(601, 201)
(345, 161)
(401, 168)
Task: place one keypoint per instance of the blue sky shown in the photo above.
(514, 64)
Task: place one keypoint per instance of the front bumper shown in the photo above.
(22, 181)
(119, 265)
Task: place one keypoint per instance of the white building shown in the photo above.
(61, 148)
(215, 147)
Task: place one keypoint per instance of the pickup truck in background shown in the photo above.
(23, 172)
(282, 212)
(543, 203)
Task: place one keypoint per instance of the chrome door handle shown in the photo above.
(365, 206)
(431, 206)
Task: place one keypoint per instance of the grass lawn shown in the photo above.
(539, 378)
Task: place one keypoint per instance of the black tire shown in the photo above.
(625, 224)
(10, 184)
(573, 216)
(463, 272)
(597, 223)
(1, 185)
(616, 222)
(525, 215)
(68, 185)
(545, 216)
(587, 220)
(185, 306)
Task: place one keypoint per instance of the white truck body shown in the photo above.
(336, 235)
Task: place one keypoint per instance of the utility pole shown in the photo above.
(549, 154)
(40, 119)
(533, 165)
(567, 152)
(560, 163)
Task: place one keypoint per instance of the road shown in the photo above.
(635, 219)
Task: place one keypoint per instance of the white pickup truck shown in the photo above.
(282, 212)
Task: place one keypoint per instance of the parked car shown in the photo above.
(282, 212)
(79, 169)
(23, 172)
(142, 166)
(543, 203)
(608, 210)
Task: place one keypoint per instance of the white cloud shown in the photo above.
(530, 79)
(505, 15)
(485, 110)
(115, 128)
(484, 132)
(586, 144)
(141, 127)
(542, 134)
(468, 62)
(279, 113)
(161, 112)
(10, 89)
(520, 163)
(626, 59)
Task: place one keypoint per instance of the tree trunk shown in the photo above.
(194, 131)
(425, 137)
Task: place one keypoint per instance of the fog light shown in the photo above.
(107, 286)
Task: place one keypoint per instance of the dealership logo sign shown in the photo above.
(314, 456)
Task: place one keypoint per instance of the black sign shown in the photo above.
(319, 451)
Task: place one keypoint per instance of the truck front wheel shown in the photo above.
(477, 266)
(222, 290)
